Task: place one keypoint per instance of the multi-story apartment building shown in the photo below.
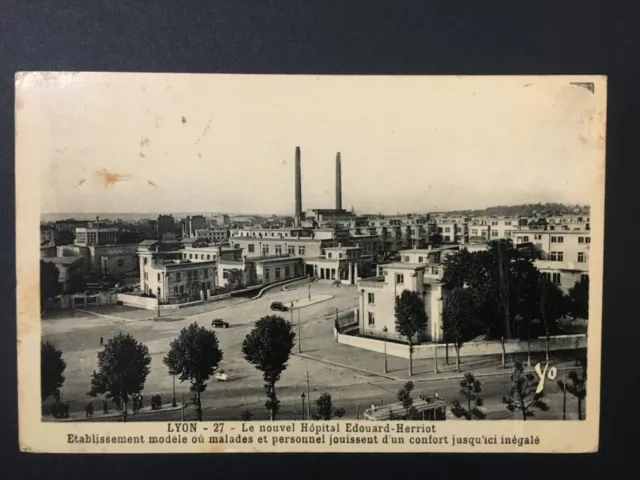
(47, 235)
(94, 234)
(562, 255)
(166, 224)
(213, 234)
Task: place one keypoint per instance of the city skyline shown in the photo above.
(402, 150)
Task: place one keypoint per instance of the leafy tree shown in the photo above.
(579, 299)
(49, 286)
(410, 318)
(553, 306)
(65, 238)
(246, 415)
(522, 394)
(526, 305)
(470, 388)
(268, 347)
(194, 356)
(52, 367)
(577, 386)
(404, 396)
(123, 367)
(325, 409)
(461, 319)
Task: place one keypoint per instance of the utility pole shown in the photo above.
(564, 395)
(435, 356)
(299, 333)
(173, 403)
(357, 411)
(308, 398)
(158, 302)
(182, 416)
(309, 285)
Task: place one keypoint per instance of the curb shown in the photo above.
(119, 415)
(336, 364)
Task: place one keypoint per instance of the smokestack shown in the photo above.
(298, 214)
(338, 183)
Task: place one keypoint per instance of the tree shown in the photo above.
(404, 397)
(194, 356)
(470, 388)
(268, 347)
(410, 318)
(461, 320)
(52, 367)
(123, 367)
(246, 415)
(522, 394)
(579, 299)
(325, 409)
(553, 306)
(578, 385)
(49, 286)
(64, 238)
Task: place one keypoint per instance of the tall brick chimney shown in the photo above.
(298, 188)
(338, 183)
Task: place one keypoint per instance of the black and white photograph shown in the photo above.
(334, 251)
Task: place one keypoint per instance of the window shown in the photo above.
(556, 256)
(557, 239)
(447, 229)
(145, 261)
(206, 273)
(286, 272)
(181, 288)
(580, 239)
(420, 259)
(507, 223)
(525, 238)
(190, 256)
(555, 278)
(266, 274)
(406, 259)
(178, 276)
(175, 290)
(371, 298)
(329, 255)
(278, 249)
(291, 249)
(547, 275)
(399, 278)
(537, 237)
(277, 273)
(372, 318)
(158, 277)
(188, 274)
(301, 250)
(494, 223)
(494, 233)
(580, 257)
(587, 240)
(474, 231)
(265, 250)
(251, 247)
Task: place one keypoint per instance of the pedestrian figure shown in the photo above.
(436, 396)
(140, 406)
(89, 409)
(117, 402)
(101, 341)
(105, 407)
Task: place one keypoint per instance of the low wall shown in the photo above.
(137, 301)
(470, 349)
(82, 301)
(273, 285)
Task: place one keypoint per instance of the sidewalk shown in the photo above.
(372, 363)
(98, 414)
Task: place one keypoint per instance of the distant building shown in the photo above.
(70, 272)
(213, 234)
(94, 234)
(47, 235)
(166, 224)
(219, 219)
(191, 224)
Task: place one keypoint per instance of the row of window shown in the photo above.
(191, 275)
(267, 273)
(556, 277)
(180, 289)
(559, 257)
(291, 249)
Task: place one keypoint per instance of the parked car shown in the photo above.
(279, 306)
(219, 323)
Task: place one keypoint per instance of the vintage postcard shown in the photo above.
(267, 263)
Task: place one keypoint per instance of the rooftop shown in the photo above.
(403, 265)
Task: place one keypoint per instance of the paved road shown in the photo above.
(78, 334)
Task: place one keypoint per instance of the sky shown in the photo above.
(116, 142)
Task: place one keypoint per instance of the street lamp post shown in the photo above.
(173, 402)
(385, 330)
(158, 303)
(309, 285)
(302, 397)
